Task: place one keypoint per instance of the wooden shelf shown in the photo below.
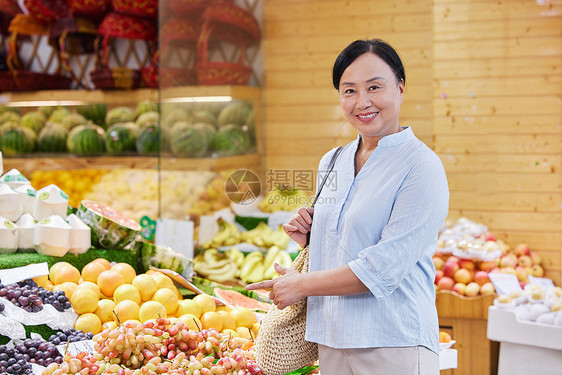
(45, 163)
(123, 97)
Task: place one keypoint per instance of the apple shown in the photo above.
(537, 270)
(462, 276)
(525, 261)
(481, 278)
(487, 288)
(522, 284)
(449, 268)
(508, 260)
(467, 264)
(510, 270)
(438, 263)
(472, 289)
(535, 257)
(488, 236)
(522, 249)
(438, 275)
(459, 288)
(446, 283)
(521, 273)
(453, 259)
(487, 265)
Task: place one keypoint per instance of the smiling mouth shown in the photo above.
(369, 116)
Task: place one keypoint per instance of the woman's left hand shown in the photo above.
(285, 290)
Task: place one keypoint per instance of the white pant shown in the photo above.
(413, 360)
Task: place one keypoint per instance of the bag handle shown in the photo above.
(330, 167)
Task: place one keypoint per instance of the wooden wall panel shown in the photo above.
(497, 117)
(484, 90)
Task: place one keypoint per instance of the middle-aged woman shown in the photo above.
(371, 298)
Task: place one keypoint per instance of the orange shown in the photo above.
(206, 302)
(88, 323)
(191, 321)
(228, 321)
(84, 301)
(105, 310)
(126, 270)
(126, 291)
(92, 270)
(211, 319)
(104, 262)
(89, 285)
(152, 310)
(163, 281)
(126, 310)
(146, 286)
(243, 316)
(66, 272)
(53, 269)
(168, 299)
(188, 306)
(108, 281)
(67, 287)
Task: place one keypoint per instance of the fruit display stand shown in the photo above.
(465, 319)
(525, 347)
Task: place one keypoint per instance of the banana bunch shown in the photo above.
(256, 267)
(284, 200)
(264, 236)
(227, 235)
(215, 266)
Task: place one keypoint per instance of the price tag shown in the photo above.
(175, 234)
(504, 283)
(77, 347)
(542, 281)
(13, 275)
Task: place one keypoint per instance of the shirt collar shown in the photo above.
(395, 139)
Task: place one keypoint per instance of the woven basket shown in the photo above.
(179, 34)
(150, 73)
(116, 78)
(191, 9)
(146, 8)
(93, 9)
(280, 347)
(232, 24)
(45, 11)
(9, 7)
(73, 35)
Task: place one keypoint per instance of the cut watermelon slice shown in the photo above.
(235, 299)
(110, 228)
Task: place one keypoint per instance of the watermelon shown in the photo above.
(94, 112)
(148, 141)
(9, 116)
(235, 113)
(119, 114)
(233, 298)
(145, 106)
(86, 140)
(202, 116)
(230, 140)
(121, 137)
(72, 120)
(110, 229)
(189, 141)
(148, 118)
(59, 114)
(33, 120)
(52, 138)
(47, 110)
(16, 140)
(170, 118)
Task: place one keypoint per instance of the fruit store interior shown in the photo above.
(152, 149)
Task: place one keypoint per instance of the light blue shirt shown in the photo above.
(384, 224)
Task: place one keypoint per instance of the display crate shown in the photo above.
(465, 319)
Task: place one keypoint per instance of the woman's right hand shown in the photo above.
(300, 225)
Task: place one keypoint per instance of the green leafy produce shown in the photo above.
(52, 138)
(121, 137)
(86, 140)
(230, 140)
(16, 140)
(34, 120)
(119, 114)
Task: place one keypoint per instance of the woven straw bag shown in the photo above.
(280, 346)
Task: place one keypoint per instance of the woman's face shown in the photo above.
(370, 96)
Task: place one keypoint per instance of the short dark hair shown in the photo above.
(360, 47)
